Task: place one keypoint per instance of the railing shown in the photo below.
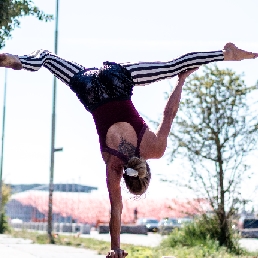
(57, 227)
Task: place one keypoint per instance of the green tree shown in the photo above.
(11, 11)
(6, 193)
(213, 132)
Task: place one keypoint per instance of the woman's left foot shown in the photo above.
(233, 53)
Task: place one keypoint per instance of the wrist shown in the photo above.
(115, 247)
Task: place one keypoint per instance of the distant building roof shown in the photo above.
(57, 188)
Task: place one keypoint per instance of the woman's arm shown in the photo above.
(114, 174)
(156, 143)
(171, 107)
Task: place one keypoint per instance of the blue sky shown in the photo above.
(91, 32)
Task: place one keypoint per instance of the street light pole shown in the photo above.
(2, 155)
(52, 158)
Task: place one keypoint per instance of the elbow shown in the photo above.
(156, 146)
(160, 148)
(158, 152)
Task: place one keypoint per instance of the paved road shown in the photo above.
(152, 239)
(17, 247)
(251, 244)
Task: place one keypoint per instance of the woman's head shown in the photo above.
(137, 184)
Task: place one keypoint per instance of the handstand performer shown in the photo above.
(126, 142)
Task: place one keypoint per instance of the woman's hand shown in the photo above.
(118, 253)
(183, 75)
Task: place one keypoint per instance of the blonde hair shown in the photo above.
(138, 185)
(139, 165)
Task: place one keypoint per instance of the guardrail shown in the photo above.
(57, 227)
(129, 229)
(249, 233)
(77, 228)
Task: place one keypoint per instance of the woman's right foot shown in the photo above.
(233, 53)
(10, 61)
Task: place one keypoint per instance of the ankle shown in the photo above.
(228, 52)
(228, 55)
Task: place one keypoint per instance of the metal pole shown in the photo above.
(2, 154)
(51, 187)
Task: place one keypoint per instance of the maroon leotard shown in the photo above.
(113, 112)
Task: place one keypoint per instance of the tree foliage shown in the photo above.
(6, 194)
(11, 11)
(214, 131)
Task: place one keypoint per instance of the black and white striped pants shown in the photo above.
(142, 73)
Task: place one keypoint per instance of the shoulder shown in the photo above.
(111, 160)
(114, 167)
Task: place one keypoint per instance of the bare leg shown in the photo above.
(233, 53)
(10, 61)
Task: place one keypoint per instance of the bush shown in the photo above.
(204, 232)
(3, 224)
(6, 193)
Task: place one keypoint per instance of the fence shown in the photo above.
(57, 227)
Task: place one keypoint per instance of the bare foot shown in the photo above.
(10, 61)
(233, 53)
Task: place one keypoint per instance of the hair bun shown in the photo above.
(139, 165)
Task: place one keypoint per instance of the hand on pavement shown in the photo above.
(117, 254)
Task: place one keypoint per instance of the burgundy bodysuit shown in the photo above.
(118, 111)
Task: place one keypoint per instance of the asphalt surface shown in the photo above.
(17, 247)
(152, 239)
(251, 244)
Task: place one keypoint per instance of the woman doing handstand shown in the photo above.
(126, 142)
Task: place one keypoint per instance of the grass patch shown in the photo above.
(102, 247)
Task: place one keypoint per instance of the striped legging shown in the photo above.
(142, 73)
